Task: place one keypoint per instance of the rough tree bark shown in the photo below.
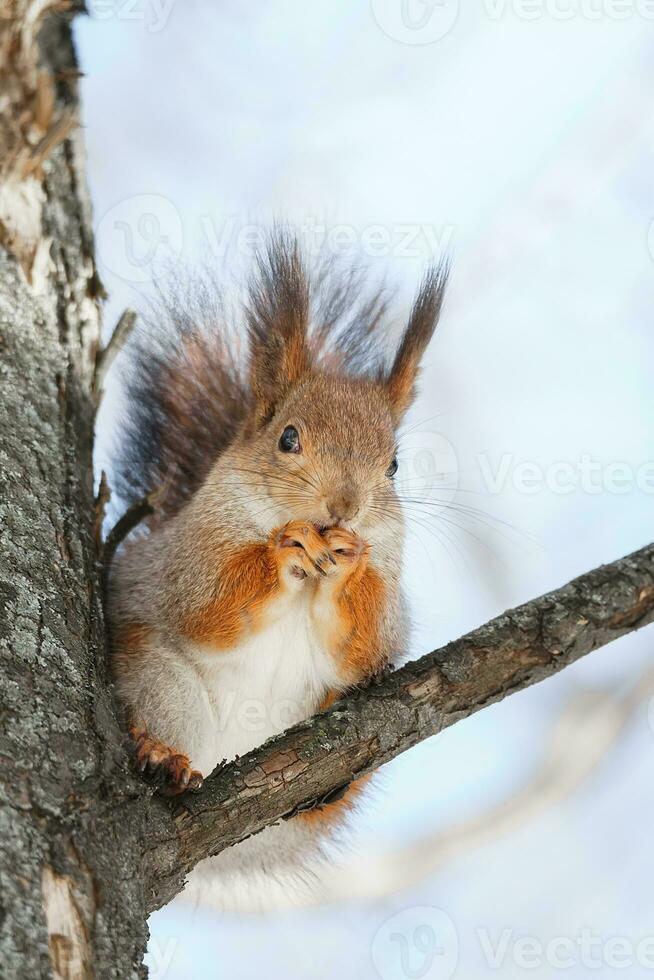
(70, 906)
(86, 849)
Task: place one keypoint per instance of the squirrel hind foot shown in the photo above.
(172, 770)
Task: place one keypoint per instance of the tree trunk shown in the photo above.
(71, 899)
(85, 848)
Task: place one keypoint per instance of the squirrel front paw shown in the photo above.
(302, 551)
(349, 552)
(172, 769)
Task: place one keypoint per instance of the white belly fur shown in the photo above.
(254, 691)
(264, 685)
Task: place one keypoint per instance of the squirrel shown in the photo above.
(268, 582)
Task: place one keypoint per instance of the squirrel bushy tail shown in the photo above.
(187, 383)
(184, 396)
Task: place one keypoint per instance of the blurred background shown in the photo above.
(517, 136)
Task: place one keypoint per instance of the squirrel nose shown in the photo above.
(342, 507)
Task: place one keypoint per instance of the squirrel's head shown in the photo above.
(321, 444)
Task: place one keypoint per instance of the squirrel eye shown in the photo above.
(290, 440)
(392, 469)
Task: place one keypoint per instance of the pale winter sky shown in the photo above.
(519, 137)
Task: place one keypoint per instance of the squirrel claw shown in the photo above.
(196, 782)
(189, 780)
(172, 769)
(346, 547)
(306, 545)
(324, 558)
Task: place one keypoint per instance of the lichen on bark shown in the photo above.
(65, 787)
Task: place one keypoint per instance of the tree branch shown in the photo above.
(132, 517)
(316, 760)
(105, 357)
(575, 746)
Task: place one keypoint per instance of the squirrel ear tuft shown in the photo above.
(401, 380)
(277, 321)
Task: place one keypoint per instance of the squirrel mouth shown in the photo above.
(321, 527)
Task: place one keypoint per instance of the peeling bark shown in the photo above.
(68, 934)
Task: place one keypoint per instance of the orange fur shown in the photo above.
(355, 640)
(248, 579)
(359, 599)
(295, 361)
(332, 814)
(401, 382)
(329, 700)
(401, 387)
(360, 610)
